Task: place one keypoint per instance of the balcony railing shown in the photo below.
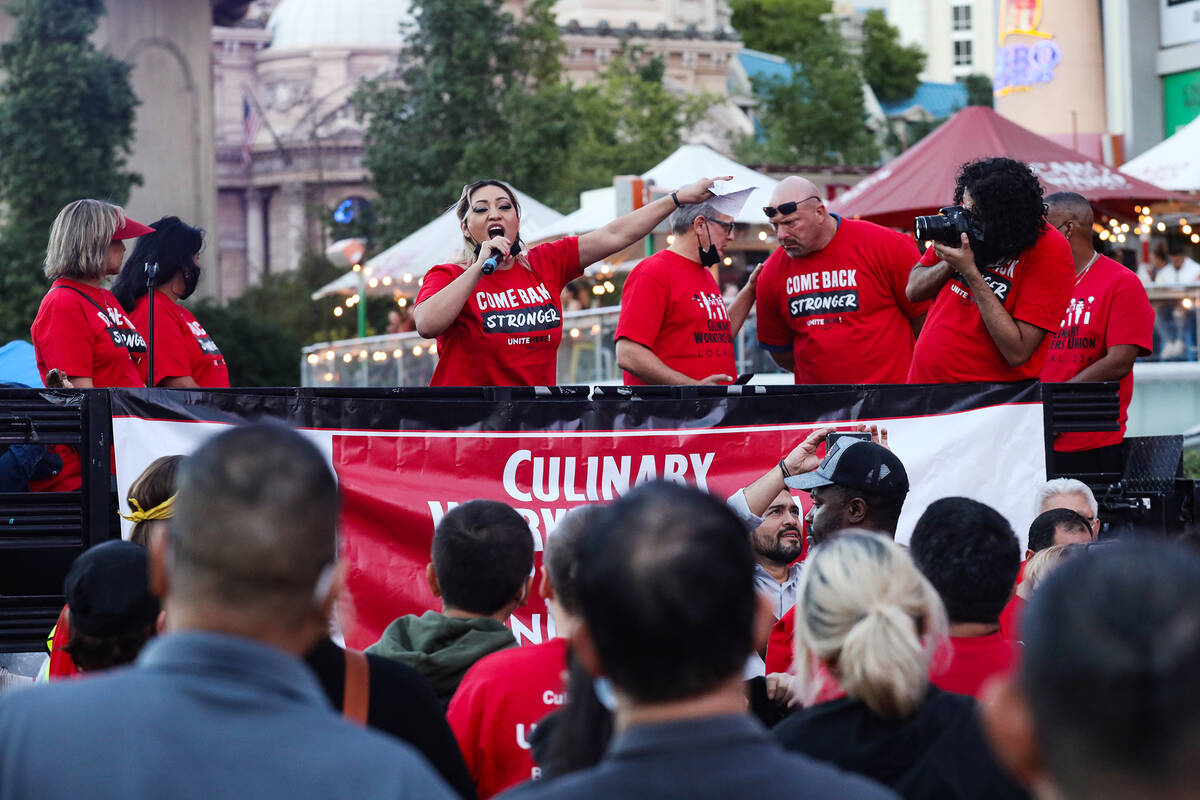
(587, 354)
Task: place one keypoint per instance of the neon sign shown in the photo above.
(1019, 67)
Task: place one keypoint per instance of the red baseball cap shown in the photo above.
(131, 229)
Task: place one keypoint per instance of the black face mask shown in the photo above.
(708, 255)
(191, 277)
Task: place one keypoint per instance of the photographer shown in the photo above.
(1000, 289)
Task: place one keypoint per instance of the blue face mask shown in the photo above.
(604, 693)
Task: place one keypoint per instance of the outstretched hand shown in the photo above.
(699, 191)
(803, 457)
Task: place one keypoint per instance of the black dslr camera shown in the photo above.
(947, 227)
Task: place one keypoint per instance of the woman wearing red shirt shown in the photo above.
(182, 354)
(80, 327)
(503, 327)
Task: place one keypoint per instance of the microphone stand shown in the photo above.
(151, 278)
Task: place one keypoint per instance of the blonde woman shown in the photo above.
(497, 313)
(868, 616)
(80, 327)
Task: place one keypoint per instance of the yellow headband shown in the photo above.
(163, 510)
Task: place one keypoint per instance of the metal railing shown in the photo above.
(587, 353)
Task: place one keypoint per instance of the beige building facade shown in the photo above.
(297, 62)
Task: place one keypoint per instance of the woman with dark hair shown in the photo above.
(1000, 290)
(497, 312)
(182, 353)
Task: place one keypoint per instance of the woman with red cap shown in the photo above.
(80, 327)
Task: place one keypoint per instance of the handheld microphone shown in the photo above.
(492, 261)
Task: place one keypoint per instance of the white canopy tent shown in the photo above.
(686, 165)
(1173, 163)
(437, 242)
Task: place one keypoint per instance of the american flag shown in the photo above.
(251, 122)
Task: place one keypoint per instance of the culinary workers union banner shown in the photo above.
(404, 457)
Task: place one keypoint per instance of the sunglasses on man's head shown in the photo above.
(787, 208)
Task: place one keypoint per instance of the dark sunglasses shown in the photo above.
(786, 208)
(725, 226)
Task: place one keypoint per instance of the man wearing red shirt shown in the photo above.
(1000, 290)
(504, 695)
(674, 327)
(831, 300)
(1109, 323)
(969, 552)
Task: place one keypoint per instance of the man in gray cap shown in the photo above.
(859, 484)
(674, 327)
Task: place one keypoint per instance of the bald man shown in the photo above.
(1108, 324)
(831, 301)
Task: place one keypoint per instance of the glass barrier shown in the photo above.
(587, 355)
(1175, 323)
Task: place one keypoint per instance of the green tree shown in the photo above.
(628, 121)
(66, 127)
(979, 90)
(478, 94)
(260, 333)
(818, 114)
(890, 68)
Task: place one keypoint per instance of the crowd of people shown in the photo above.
(702, 647)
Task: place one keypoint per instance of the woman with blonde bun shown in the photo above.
(866, 614)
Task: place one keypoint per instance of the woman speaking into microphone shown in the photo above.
(497, 312)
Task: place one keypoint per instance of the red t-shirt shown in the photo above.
(972, 660)
(1010, 617)
(955, 346)
(671, 305)
(508, 331)
(842, 311)
(81, 339)
(781, 650)
(1109, 307)
(181, 345)
(498, 704)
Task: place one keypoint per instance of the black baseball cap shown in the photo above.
(108, 590)
(857, 464)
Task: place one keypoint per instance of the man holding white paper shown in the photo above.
(674, 326)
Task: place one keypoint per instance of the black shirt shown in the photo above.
(937, 752)
(400, 703)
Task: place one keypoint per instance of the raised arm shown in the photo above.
(624, 231)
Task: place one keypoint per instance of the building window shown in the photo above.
(963, 54)
(961, 18)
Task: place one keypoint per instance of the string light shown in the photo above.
(407, 277)
(1187, 229)
(728, 261)
(574, 333)
(373, 283)
(362, 355)
(609, 287)
(357, 267)
(313, 358)
(1161, 227)
(597, 290)
(1187, 302)
(1195, 238)
(417, 350)
(596, 329)
(328, 377)
(1104, 235)
(387, 281)
(1121, 238)
(379, 355)
(433, 349)
(348, 358)
(762, 236)
(397, 353)
(1125, 228)
(329, 354)
(402, 302)
(337, 312)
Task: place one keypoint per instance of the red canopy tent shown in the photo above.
(921, 179)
